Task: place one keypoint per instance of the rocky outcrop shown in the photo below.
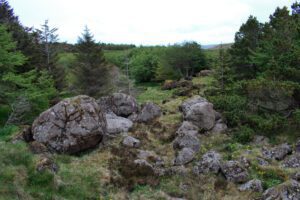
(219, 128)
(210, 163)
(116, 124)
(200, 112)
(187, 141)
(289, 190)
(254, 185)
(149, 112)
(278, 152)
(123, 105)
(234, 172)
(187, 128)
(73, 125)
(131, 142)
(292, 162)
(184, 156)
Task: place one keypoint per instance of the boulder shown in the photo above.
(219, 128)
(149, 112)
(278, 152)
(73, 125)
(254, 185)
(184, 156)
(292, 162)
(123, 105)
(116, 124)
(199, 112)
(131, 142)
(187, 128)
(105, 104)
(188, 141)
(289, 190)
(234, 172)
(210, 163)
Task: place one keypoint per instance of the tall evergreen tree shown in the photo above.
(92, 71)
(27, 39)
(246, 41)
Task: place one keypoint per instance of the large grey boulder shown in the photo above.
(278, 153)
(187, 141)
(289, 190)
(292, 162)
(254, 185)
(149, 112)
(184, 156)
(73, 125)
(187, 128)
(123, 105)
(199, 112)
(210, 163)
(130, 141)
(219, 128)
(116, 124)
(234, 172)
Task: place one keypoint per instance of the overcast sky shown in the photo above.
(147, 22)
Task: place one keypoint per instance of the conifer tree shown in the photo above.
(92, 71)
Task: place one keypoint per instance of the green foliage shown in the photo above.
(4, 114)
(267, 123)
(244, 135)
(7, 131)
(234, 107)
(184, 60)
(143, 65)
(36, 87)
(9, 57)
(269, 176)
(92, 76)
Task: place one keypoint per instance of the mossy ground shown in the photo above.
(89, 175)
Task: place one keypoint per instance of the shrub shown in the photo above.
(233, 107)
(244, 135)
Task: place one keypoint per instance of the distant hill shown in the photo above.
(217, 46)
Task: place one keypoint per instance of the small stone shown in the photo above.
(131, 142)
(254, 185)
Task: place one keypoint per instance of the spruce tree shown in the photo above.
(92, 71)
(27, 39)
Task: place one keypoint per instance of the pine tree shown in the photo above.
(92, 71)
(27, 39)
(246, 41)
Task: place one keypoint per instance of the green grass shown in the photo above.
(7, 131)
(154, 94)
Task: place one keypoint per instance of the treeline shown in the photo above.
(159, 63)
(259, 76)
(32, 72)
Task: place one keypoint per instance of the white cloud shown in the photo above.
(145, 21)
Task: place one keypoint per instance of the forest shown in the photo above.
(181, 122)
